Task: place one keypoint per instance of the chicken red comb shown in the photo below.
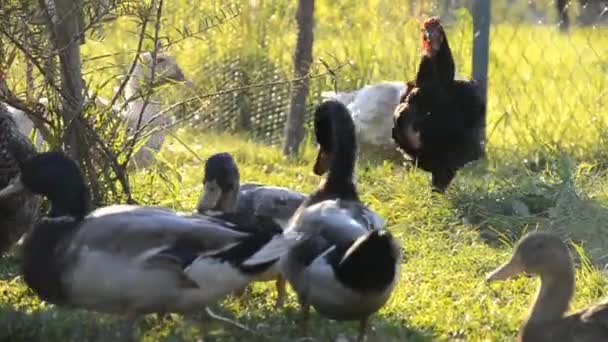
(431, 21)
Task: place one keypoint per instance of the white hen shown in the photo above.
(372, 110)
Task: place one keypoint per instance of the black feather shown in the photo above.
(335, 132)
(369, 266)
(243, 250)
(42, 262)
(54, 175)
(222, 169)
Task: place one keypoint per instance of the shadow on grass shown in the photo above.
(562, 197)
(24, 318)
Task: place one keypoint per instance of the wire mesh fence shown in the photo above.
(260, 112)
(546, 74)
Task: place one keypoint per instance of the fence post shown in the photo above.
(294, 126)
(481, 47)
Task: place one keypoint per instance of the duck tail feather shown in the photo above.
(275, 248)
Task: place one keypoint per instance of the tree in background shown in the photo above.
(294, 127)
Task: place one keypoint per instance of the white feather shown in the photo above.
(216, 278)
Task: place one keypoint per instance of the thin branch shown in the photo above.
(131, 146)
(229, 91)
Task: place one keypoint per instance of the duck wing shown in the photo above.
(331, 224)
(597, 314)
(133, 230)
(248, 223)
(276, 202)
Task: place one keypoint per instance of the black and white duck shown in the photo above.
(17, 213)
(224, 194)
(131, 260)
(346, 263)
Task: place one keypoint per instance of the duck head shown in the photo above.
(538, 253)
(334, 131)
(58, 178)
(221, 183)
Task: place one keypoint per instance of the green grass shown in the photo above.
(450, 242)
(546, 170)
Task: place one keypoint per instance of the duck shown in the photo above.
(346, 263)
(131, 260)
(223, 194)
(17, 213)
(545, 255)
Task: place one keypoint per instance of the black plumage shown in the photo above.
(440, 122)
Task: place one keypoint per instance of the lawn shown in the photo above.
(546, 169)
(450, 242)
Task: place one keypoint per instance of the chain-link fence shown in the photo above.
(258, 106)
(548, 70)
(546, 75)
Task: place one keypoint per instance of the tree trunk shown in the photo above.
(294, 127)
(65, 21)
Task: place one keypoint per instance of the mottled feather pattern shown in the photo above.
(17, 213)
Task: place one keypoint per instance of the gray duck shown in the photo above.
(224, 194)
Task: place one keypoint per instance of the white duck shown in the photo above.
(372, 108)
(166, 70)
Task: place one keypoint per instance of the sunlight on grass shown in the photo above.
(546, 170)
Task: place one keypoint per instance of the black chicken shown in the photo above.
(439, 123)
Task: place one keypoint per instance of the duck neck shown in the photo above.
(340, 178)
(75, 204)
(139, 83)
(553, 297)
(227, 201)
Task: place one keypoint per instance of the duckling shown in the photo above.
(223, 193)
(545, 255)
(346, 263)
(17, 213)
(131, 260)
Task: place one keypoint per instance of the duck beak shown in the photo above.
(211, 195)
(15, 187)
(506, 271)
(322, 163)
